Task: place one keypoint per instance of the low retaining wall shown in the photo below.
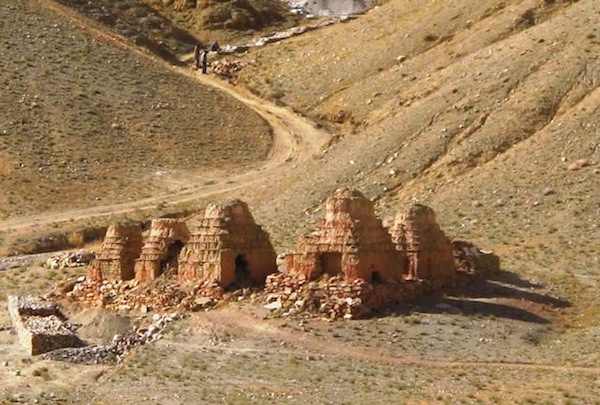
(39, 325)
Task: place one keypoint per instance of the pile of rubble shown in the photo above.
(72, 259)
(328, 297)
(471, 260)
(125, 296)
(226, 67)
(120, 345)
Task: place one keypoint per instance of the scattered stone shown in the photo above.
(273, 305)
(116, 351)
(579, 164)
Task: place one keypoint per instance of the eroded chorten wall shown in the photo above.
(228, 247)
(162, 246)
(350, 241)
(424, 246)
(122, 245)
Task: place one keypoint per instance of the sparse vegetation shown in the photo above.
(496, 129)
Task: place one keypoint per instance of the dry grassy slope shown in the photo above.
(480, 122)
(225, 20)
(82, 121)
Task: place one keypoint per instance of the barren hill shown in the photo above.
(84, 122)
(487, 110)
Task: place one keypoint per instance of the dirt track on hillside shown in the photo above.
(294, 139)
(235, 320)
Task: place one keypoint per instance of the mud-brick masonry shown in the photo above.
(39, 325)
(225, 245)
(228, 246)
(120, 249)
(425, 249)
(162, 246)
(351, 241)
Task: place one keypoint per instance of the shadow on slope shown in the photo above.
(139, 23)
(503, 295)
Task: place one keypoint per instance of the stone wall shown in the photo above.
(333, 297)
(120, 248)
(351, 241)
(228, 247)
(39, 325)
(162, 246)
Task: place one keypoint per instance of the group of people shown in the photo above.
(201, 55)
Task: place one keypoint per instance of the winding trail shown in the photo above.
(239, 322)
(295, 139)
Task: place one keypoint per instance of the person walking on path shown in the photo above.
(204, 60)
(197, 51)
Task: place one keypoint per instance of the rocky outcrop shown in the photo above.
(425, 249)
(162, 246)
(120, 248)
(228, 247)
(351, 241)
(39, 325)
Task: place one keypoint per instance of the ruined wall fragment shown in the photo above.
(39, 325)
(351, 241)
(122, 245)
(468, 258)
(229, 247)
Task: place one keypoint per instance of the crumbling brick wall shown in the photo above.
(228, 247)
(161, 250)
(350, 241)
(468, 258)
(122, 245)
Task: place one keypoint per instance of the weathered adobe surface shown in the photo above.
(161, 249)
(120, 248)
(424, 247)
(229, 247)
(350, 264)
(350, 241)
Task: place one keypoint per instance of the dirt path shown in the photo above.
(294, 139)
(234, 319)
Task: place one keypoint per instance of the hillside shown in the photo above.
(84, 122)
(486, 110)
(489, 111)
